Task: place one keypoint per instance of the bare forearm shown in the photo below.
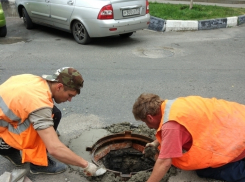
(58, 150)
(160, 169)
(65, 155)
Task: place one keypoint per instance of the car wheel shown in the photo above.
(80, 33)
(126, 35)
(3, 31)
(26, 19)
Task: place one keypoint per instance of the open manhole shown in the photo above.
(122, 154)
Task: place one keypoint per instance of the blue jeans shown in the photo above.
(232, 172)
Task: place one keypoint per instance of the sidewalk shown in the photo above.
(161, 25)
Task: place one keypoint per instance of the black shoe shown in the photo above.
(52, 168)
(13, 155)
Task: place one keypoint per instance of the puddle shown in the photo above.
(13, 40)
(154, 52)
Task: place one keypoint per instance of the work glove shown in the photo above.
(90, 170)
(155, 144)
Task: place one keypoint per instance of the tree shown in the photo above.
(191, 4)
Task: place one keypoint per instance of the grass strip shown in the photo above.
(198, 12)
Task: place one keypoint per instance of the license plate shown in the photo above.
(130, 12)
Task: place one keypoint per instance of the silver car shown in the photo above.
(86, 19)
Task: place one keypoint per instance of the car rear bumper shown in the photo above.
(101, 28)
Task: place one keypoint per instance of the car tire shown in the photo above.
(126, 35)
(3, 31)
(27, 20)
(80, 33)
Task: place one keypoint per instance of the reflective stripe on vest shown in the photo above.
(8, 112)
(21, 126)
(167, 110)
(20, 96)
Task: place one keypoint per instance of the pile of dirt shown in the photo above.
(138, 177)
(126, 126)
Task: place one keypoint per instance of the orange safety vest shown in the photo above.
(217, 128)
(19, 96)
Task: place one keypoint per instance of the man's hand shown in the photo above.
(155, 143)
(151, 149)
(90, 170)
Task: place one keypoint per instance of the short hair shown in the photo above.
(66, 88)
(147, 103)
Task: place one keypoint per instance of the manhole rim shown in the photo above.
(124, 136)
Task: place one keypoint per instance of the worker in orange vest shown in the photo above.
(195, 133)
(28, 120)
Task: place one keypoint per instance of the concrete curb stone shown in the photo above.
(156, 24)
(179, 25)
(232, 21)
(212, 24)
(241, 19)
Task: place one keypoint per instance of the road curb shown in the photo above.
(157, 24)
(179, 25)
(161, 25)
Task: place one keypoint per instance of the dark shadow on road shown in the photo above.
(102, 41)
(53, 31)
(114, 41)
(16, 28)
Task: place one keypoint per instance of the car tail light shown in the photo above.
(147, 7)
(106, 13)
(112, 29)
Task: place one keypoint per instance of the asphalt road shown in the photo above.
(116, 71)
